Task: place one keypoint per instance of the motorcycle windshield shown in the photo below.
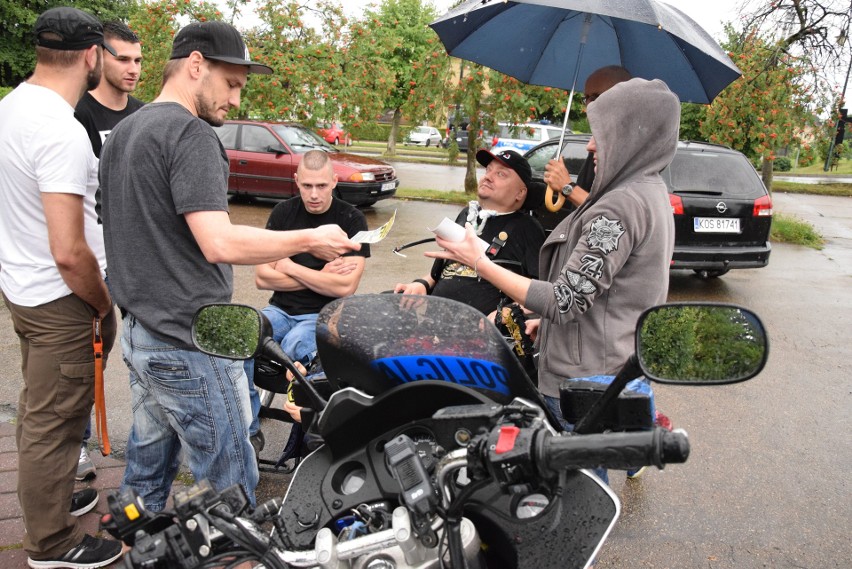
(376, 342)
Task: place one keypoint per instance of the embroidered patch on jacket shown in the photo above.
(580, 284)
(564, 297)
(572, 294)
(591, 266)
(604, 234)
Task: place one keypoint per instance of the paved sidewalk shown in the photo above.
(12, 556)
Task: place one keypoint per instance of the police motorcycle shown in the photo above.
(437, 449)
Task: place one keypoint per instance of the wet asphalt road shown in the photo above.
(767, 483)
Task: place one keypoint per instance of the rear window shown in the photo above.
(717, 173)
(228, 135)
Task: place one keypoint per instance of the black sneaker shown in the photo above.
(92, 552)
(83, 501)
(258, 441)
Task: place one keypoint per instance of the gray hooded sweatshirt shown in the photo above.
(609, 260)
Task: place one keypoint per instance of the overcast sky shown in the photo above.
(711, 14)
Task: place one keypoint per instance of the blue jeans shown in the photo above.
(298, 338)
(184, 402)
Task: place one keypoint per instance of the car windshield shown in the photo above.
(300, 139)
(423, 130)
(711, 173)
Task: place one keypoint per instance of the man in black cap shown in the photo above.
(500, 219)
(170, 245)
(51, 273)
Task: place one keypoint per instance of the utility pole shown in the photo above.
(841, 40)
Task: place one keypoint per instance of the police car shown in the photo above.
(522, 137)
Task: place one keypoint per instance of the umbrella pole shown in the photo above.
(549, 202)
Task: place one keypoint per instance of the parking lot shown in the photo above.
(767, 481)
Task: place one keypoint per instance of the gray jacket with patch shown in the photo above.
(609, 260)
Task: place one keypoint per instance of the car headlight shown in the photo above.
(362, 177)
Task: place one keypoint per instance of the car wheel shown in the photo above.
(266, 396)
(336, 141)
(427, 143)
(707, 274)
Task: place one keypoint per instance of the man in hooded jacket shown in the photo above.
(608, 260)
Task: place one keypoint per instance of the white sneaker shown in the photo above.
(85, 466)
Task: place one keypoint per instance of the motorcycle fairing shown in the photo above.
(362, 338)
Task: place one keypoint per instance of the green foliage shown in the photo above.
(691, 118)
(768, 107)
(700, 343)
(786, 229)
(227, 330)
(397, 32)
(782, 164)
(372, 130)
(5, 91)
(17, 18)
(156, 24)
(453, 151)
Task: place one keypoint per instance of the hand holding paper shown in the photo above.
(451, 231)
(375, 235)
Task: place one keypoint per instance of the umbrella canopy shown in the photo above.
(539, 42)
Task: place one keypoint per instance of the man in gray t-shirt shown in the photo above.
(169, 244)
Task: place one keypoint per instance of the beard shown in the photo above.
(207, 112)
(93, 78)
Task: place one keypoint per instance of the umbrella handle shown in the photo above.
(549, 203)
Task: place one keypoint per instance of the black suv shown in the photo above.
(721, 208)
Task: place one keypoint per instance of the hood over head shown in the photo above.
(635, 125)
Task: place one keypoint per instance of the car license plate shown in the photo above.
(388, 186)
(716, 224)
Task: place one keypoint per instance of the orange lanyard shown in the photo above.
(100, 400)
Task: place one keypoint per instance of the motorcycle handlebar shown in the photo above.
(656, 447)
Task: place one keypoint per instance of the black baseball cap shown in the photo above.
(215, 40)
(76, 30)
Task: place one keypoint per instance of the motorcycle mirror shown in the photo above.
(700, 344)
(241, 332)
(227, 330)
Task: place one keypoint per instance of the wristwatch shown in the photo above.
(568, 188)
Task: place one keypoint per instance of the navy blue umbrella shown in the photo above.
(559, 43)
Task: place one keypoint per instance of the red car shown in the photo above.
(334, 133)
(263, 157)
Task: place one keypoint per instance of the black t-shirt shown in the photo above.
(100, 120)
(586, 175)
(519, 254)
(291, 214)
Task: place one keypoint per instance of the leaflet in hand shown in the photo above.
(375, 235)
(451, 231)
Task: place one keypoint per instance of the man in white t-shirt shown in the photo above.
(51, 274)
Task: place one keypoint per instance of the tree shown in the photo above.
(487, 97)
(767, 108)
(399, 34)
(811, 30)
(691, 117)
(156, 24)
(17, 19)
